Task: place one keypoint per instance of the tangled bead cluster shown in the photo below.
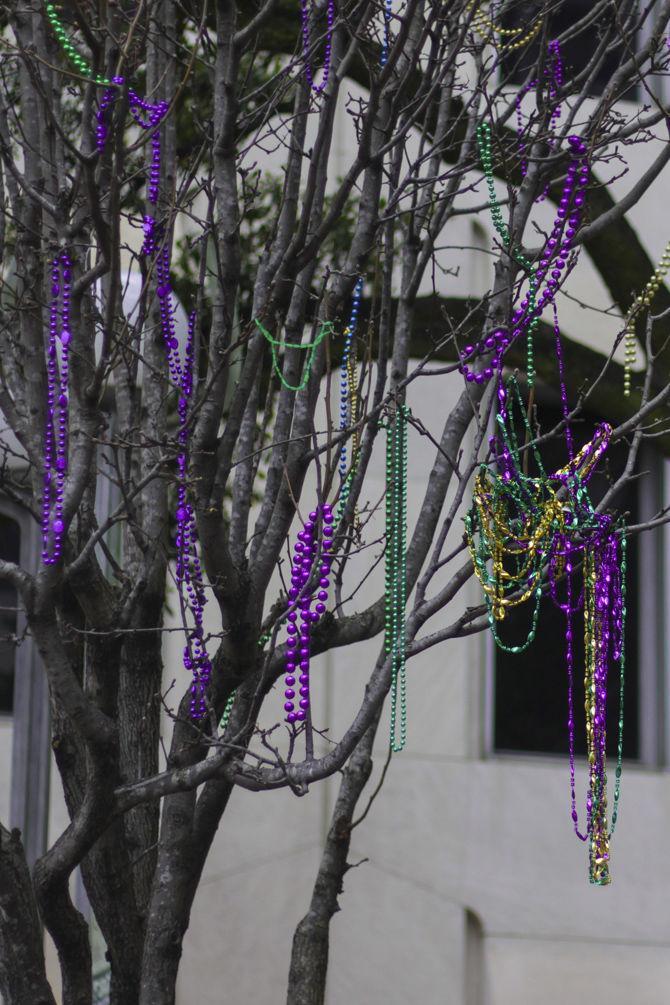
(330, 16)
(308, 558)
(604, 615)
(521, 529)
(57, 411)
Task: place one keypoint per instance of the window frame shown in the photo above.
(31, 750)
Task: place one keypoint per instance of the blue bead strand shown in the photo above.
(345, 401)
(383, 59)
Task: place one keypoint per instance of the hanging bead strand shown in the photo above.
(345, 378)
(148, 117)
(56, 440)
(386, 44)
(306, 606)
(304, 16)
(189, 573)
(642, 301)
(553, 73)
(396, 571)
(557, 251)
(348, 402)
(619, 654)
(102, 115)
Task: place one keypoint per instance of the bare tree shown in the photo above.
(263, 257)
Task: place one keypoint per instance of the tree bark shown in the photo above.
(23, 979)
(309, 955)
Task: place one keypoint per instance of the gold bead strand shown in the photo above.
(484, 24)
(630, 356)
(642, 301)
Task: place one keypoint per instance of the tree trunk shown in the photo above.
(22, 972)
(309, 955)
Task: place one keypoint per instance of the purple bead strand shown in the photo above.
(56, 443)
(304, 15)
(305, 553)
(102, 116)
(570, 666)
(560, 245)
(557, 252)
(553, 73)
(149, 116)
(189, 574)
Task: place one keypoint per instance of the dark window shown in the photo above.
(530, 703)
(10, 542)
(577, 51)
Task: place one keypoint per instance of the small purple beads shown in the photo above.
(553, 73)
(189, 574)
(304, 14)
(57, 417)
(305, 552)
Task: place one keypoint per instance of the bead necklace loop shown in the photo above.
(325, 330)
(485, 26)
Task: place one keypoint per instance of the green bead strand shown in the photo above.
(486, 157)
(622, 677)
(80, 64)
(345, 491)
(311, 347)
(227, 710)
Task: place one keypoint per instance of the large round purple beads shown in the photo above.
(310, 562)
